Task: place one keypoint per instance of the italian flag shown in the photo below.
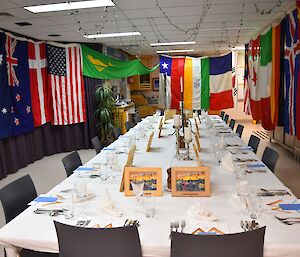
(265, 78)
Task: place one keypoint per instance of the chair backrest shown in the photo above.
(137, 118)
(246, 244)
(16, 195)
(71, 162)
(239, 129)
(222, 113)
(129, 125)
(226, 117)
(97, 144)
(254, 142)
(98, 242)
(232, 123)
(270, 158)
(117, 132)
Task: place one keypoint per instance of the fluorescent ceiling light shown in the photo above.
(174, 51)
(122, 34)
(173, 43)
(68, 6)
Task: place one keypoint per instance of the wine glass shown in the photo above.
(138, 187)
(253, 204)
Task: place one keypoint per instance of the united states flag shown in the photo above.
(65, 78)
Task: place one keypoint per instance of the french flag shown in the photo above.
(220, 81)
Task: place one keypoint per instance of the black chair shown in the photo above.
(232, 123)
(222, 113)
(254, 142)
(226, 117)
(137, 118)
(117, 132)
(71, 162)
(270, 158)
(97, 144)
(16, 195)
(239, 129)
(94, 242)
(129, 125)
(246, 244)
(14, 198)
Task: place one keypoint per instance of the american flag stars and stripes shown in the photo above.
(66, 82)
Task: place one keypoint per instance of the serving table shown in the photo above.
(37, 232)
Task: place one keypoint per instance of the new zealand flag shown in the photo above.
(15, 83)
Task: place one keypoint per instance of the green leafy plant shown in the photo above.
(103, 113)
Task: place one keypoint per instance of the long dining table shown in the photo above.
(37, 232)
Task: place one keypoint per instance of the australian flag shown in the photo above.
(15, 104)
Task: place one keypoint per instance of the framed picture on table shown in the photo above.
(190, 181)
(155, 84)
(151, 176)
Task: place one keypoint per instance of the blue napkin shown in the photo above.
(108, 149)
(84, 168)
(245, 148)
(290, 207)
(256, 165)
(45, 199)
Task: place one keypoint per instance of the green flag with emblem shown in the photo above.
(100, 66)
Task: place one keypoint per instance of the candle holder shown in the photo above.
(187, 156)
(177, 154)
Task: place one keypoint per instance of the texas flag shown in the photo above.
(40, 91)
(220, 81)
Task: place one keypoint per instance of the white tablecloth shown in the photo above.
(37, 232)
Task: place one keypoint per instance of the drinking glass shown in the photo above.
(138, 187)
(253, 204)
(149, 205)
(68, 206)
(103, 171)
(81, 188)
(240, 171)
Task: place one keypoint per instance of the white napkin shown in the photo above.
(108, 205)
(199, 212)
(227, 162)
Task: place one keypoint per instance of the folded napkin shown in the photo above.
(83, 168)
(88, 196)
(45, 199)
(201, 213)
(290, 207)
(227, 162)
(108, 205)
(256, 166)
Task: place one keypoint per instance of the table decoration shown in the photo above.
(188, 140)
(109, 206)
(190, 181)
(151, 176)
(129, 163)
(150, 142)
(200, 212)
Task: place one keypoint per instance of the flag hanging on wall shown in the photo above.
(17, 80)
(40, 93)
(177, 73)
(220, 82)
(247, 108)
(291, 68)
(66, 82)
(234, 78)
(255, 98)
(205, 83)
(165, 67)
(265, 78)
(6, 103)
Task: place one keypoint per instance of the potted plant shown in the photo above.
(103, 114)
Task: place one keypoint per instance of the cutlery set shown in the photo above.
(131, 223)
(274, 192)
(82, 223)
(177, 227)
(51, 212)
(249, 225)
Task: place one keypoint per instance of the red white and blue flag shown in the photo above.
(17, 109)
(292, 70)
(66, 82)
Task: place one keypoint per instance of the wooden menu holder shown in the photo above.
(197, 156)
(129, 163)
(150, 142)
(197, 143)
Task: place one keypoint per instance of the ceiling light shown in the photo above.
(173, 43)
(174, 51)
(123, 34)
(68, 6)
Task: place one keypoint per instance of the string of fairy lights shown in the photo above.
(110, 16)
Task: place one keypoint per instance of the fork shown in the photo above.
(288, 218)
(287, 222)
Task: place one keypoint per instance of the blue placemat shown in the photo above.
(290, 206)
(45, 199)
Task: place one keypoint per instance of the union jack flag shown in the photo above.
(291, 67)
(11, 61)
